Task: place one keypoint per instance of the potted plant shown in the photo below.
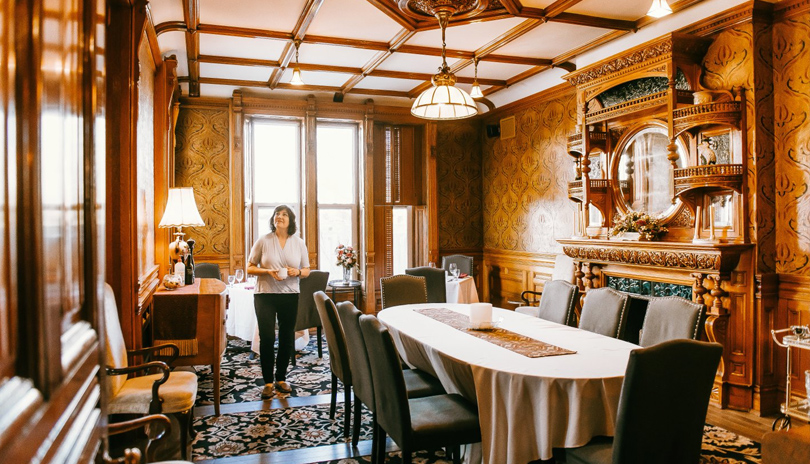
(347, 259)
(635, 225)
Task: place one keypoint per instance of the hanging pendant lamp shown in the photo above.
(443, 100)
(659, 9)
(296, 74)
(475, 92)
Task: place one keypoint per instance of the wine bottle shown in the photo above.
(190, 263)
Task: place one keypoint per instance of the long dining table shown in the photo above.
(526, 405)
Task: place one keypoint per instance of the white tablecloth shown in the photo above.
(526, 406)
(241, 320)
(461, 291)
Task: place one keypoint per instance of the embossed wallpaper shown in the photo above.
(201, 162)
(526, 205)
(458, 165)
(791, 80)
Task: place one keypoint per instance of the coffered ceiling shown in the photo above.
(360, 49)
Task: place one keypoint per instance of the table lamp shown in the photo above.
(181, 211)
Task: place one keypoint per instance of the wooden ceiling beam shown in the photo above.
(558, 7)
(191, 16)
(237, 61)
(299, 31)
(402, 36)
(242, 32)
(593, 21)
(394, 13)
(285, 86)
(512, 6)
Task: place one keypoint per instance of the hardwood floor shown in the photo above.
(748, 424)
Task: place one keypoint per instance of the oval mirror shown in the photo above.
(645, 174)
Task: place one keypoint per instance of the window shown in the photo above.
(337, 192)
(276, 171)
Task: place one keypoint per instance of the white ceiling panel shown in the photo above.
(411, 63)
(256, 14)
(551, 39)
(184, 89)
(536, 3)
(353, 19)
(469, 37)
(212, 90)
(493, 70)
(626, 9)
(241, 47)
(384, 83)
(318, 77)
(228, 71)
(166, 10)
(335, 55)
(174, 43)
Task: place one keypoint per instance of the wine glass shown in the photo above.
(240, 275)
(453, 268)
(231, 280)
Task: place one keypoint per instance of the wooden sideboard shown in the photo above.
(193, 317)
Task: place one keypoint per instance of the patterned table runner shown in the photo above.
(512, 341)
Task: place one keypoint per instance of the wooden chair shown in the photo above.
(403, 289)
(159, 428)
(556, 303)
(436, 281)
(307, 311)
(167, 392)
(464, 263)
(338, 356)
(413, 423)
(563, 270)
(604, 312)
(671, 318)
(662, 407)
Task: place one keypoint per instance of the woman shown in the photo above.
(278, 259)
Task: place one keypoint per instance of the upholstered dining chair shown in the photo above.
(464, 263)
(160, 428)
(556, 304)
(563, 270)
(307, 312)
(207, 271)
(413, 423)
(662, 407)
(436, 281)
(604, 312)
(403, 289)
(418, 383)
(169, 392)
(670, 318)
(339, 362)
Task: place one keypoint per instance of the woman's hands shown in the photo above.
(293, 271)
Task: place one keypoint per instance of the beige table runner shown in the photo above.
(512, 341)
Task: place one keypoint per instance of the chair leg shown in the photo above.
(358, 410)
(292, 359)
(334, 397)
(347, 421)
(375, 438)
(320, 340)
(184, 418)
(456, 454)
(381, 445)
(407, 457)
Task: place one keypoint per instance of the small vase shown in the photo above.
(347, 275)
(629, 236)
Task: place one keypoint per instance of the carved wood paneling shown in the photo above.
(791, 53)
(458, 165)
(202, 162)
(526, 206)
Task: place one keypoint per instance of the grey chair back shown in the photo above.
(358, 356)
(207, 271)
(671, 318)
(663, 403)
(464, 263)
(390, 393)
(604, 312)
(335, 338)
(403, 289)
(307, 312)
(557, 302)
(436, 282)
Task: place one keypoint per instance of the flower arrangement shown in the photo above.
(647, 226)
(346, 256)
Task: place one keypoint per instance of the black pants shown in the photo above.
(270, 306)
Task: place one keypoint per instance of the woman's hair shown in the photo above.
(292, 227)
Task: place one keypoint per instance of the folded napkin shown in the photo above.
(461, 276)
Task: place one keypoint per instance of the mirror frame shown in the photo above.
(624, 140)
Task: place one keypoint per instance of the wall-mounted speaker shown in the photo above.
(338, 98)
(493, 130)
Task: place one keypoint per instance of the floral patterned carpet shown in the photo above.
(267, 431)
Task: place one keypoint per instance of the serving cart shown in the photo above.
(799, 338)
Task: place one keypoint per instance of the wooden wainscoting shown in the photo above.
(505, 274)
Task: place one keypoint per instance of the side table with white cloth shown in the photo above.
(527, 405)
(461, 290)
(241, 320)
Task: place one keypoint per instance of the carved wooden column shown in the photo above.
(717, 329)
(367, 232)
(309, 210)
(239, 211)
